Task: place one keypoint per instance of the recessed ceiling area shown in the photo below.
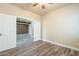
(41, 9)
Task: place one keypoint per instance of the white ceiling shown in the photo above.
(37, 9)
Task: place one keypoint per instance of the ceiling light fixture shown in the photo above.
(42, 5)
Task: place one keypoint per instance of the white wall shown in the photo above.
(62, 26)
(15, 11)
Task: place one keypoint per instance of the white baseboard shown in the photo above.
(62, 45)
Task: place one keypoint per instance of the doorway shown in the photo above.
(24, 32)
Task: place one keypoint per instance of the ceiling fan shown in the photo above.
(42, 5)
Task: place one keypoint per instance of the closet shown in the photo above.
(7, 32)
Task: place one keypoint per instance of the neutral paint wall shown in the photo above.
(62, 26)
(15, 11)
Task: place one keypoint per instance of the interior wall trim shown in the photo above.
(74, 48)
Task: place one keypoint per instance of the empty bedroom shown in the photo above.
(39, 29)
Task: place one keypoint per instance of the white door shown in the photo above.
(37, 31)
(7, 32)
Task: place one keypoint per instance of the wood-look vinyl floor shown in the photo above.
(40, 48)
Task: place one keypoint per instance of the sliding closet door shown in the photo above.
(7, 32)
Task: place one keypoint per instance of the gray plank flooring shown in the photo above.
(40, 48)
